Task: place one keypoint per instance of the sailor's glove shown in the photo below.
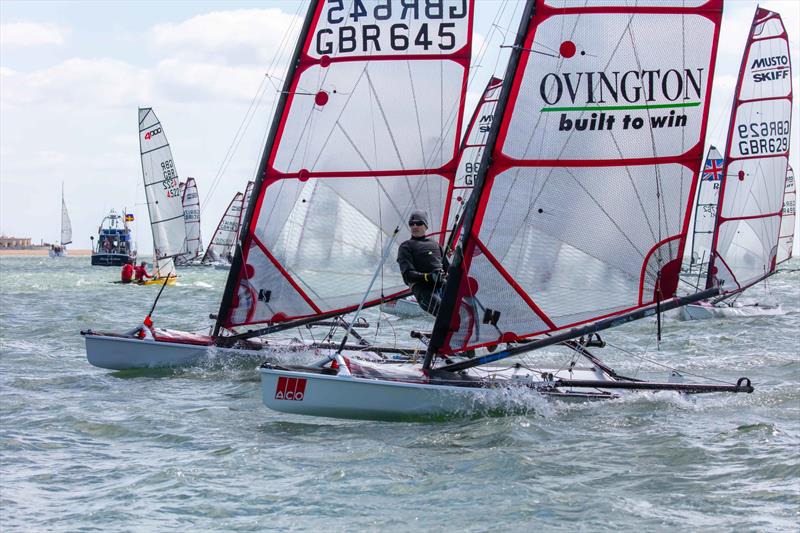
(437, 277)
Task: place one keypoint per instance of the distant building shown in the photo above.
(16, 243)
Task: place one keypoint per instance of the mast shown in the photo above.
(744, 246)
(236, 266)
(442, 322)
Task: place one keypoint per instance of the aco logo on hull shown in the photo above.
(290, 389)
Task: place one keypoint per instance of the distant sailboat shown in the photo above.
(220, 249)
(745, 241)
(788, 214)
(162, 190)
(60, 250)
(705, 214)
(191, 215)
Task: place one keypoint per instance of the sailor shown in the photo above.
(141, 272)
(423, 264)
(127, 272)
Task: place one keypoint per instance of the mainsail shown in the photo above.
(595, 151)
(786, 234)
(470, 156)
(66, 224)
(190, 199)
(705, 211)
(750, 202)
(367, 129)
(248, 194)
(220, 249)
(161, 187)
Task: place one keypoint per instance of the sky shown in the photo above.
(72, 75)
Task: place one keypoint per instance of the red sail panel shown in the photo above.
(585, 207)
(470, 155)
(788, 214)
(757, 156)
(369, 132)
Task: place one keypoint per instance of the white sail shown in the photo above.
(248, 194)
(469, 159)
(751, 199)
(788, 214)
(705, 212)
(600, 128)
(162, 190)
(66, 224)
(191, 214)
(220, 249)
(363, 135)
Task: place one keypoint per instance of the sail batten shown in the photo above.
(584, 205)
(362, 136)
(746, 238)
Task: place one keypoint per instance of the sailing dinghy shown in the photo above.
(788, 213)
(619, 235)
(190, 198)
(535, 267)
(219, 251)
(746, 238)
(60, 250)
(164, 199)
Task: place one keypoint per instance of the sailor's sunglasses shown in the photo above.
(416, 223)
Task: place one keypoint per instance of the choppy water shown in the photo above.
(86, 449)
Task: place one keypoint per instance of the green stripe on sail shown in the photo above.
(619, 107)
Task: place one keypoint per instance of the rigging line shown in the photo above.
(661, 203)
(614, 223)
(385, 120)
(416, 111)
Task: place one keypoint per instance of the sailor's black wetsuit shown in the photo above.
(419, 258)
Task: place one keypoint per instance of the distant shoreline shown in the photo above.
(44, 251)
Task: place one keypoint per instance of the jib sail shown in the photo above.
(162, 190)
(599, 139)
(367, 129)
(756, 158)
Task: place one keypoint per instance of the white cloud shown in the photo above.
(233, 37)
(30, 34)
(103, 82)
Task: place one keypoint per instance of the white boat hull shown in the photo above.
(121, 353)
(331, 395)
(708, 311)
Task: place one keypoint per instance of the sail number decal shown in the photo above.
(758, 138)
(290, 389)
(170, 182)
(363, 26)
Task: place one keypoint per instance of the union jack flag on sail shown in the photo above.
(712, 171)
